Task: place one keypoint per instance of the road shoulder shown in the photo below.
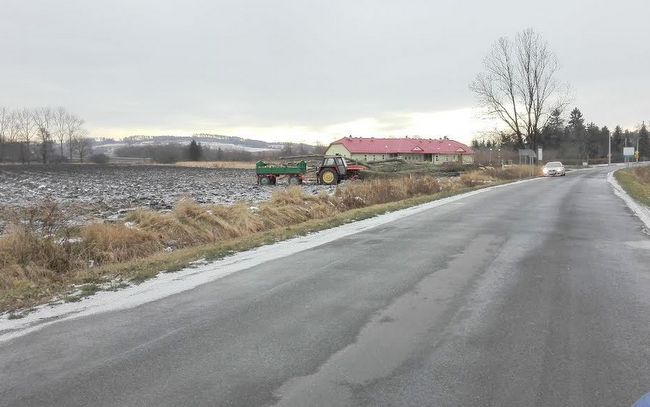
(640, 210)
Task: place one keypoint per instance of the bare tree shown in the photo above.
(26, 128)
(82, 144)
(60, 127)
(519, 87)
(43, 117)
(73, 129)
(12, 134)
(5, 116)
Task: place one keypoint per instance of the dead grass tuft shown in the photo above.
(107, 243)
(378, 191)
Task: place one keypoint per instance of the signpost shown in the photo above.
(628, 152)
(529, 156)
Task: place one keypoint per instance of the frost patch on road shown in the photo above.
(166, 284)
(640, 210)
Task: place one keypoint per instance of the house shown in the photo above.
(437, 151)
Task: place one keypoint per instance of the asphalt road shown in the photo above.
(537, 294)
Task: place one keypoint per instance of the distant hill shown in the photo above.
(213, 141)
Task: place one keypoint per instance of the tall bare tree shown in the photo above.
(518, 85)
(12, 134)
(5, 116)
(82, 144)
(43, 118)
(60, 127)
(73, 127)
(26, 133)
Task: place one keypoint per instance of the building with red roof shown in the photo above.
(437, 151)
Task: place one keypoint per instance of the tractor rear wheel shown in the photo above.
(329, 177)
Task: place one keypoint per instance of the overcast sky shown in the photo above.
(307, 70)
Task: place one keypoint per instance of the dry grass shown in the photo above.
(489, 175)
(378, 191)
(238, 165)
(636, 182)
(642, 174)
(39, 257)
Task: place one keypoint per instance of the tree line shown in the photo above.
(573, 138)
(195, 151)
(174, 152)
(42, 134)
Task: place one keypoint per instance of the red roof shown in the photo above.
(358, 145)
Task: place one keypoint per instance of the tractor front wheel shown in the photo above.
(329, 177)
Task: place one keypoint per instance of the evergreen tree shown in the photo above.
(287, 150)
(509, 141)
(617, 142)
(576, 120)
(577, 134)
(195, 151)
(594, 142)
(628, 139)
(644, 143)
(605, 135)
(552, 132)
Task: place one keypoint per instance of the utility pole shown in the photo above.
(609, 150)
(637, 153)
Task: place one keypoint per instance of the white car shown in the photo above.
(553, 168)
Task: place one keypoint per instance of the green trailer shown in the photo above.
(268, 174)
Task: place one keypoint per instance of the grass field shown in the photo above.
(636, 182)
(42, 259)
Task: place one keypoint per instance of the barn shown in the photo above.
(437, 151)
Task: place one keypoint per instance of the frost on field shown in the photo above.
(87, 192)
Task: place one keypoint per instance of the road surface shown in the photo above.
(537, 294)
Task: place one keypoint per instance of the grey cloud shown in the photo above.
(312, 63)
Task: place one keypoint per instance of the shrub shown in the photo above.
(99, 158)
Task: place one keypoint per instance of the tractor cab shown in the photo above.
(334, 169)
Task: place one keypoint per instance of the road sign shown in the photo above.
(526, 152)
(628, 151)
(539, 153)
